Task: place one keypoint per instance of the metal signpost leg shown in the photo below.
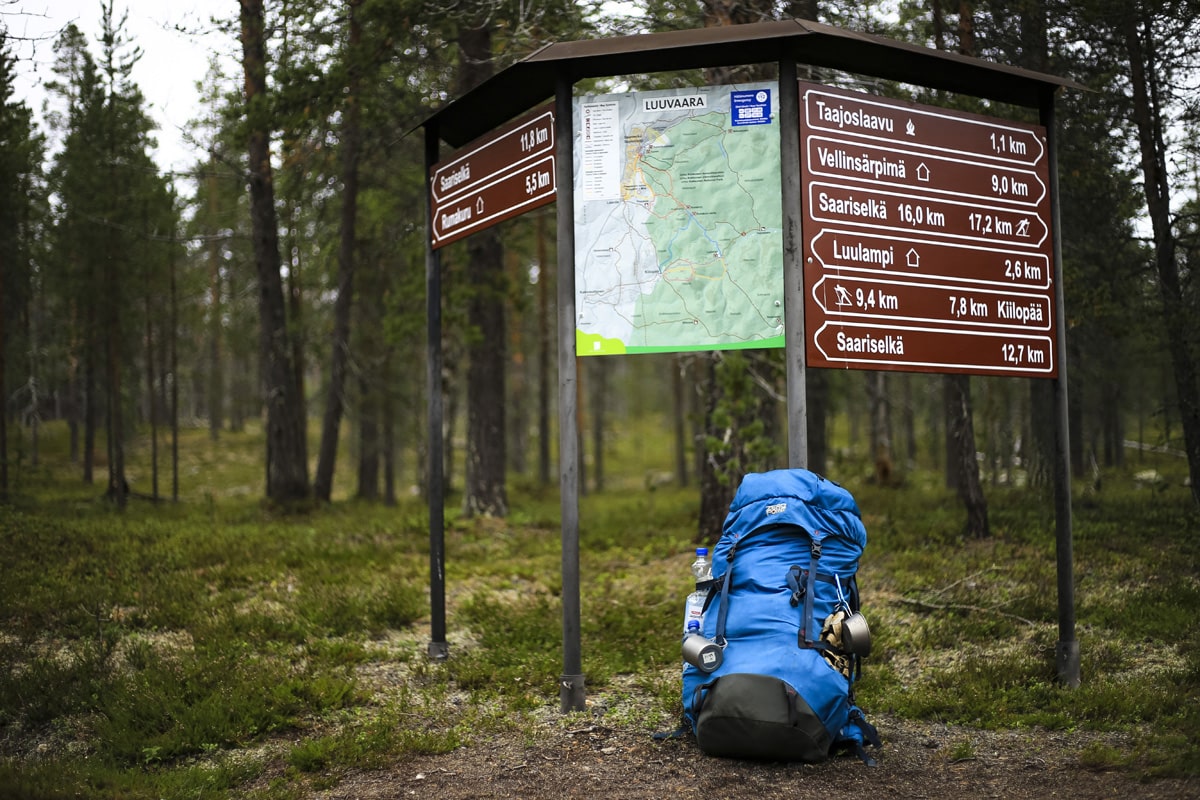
(571, 683)
(793, 266)
(1067, 650)
(439, 650)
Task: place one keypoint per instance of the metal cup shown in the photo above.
(703, 654)
(856, 636)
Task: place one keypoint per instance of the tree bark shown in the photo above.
(881, 426)
(715, 495)
(961, 432)
(3, 394)
(817, 386)
(216, 387)
(485, 492)
(368, 440)
(679, 388)
(545, 346)
(287, 461)
(1177, 318)
(351, 147)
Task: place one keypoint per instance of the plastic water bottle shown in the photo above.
(694, 609)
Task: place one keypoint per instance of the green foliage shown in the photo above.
(155, 652)
(740, 439)
(982, 616)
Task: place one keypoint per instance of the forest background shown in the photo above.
(282, 281)
(277, 289)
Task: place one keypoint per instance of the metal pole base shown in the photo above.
(571, 693)
(1066, 660)
(438, 651)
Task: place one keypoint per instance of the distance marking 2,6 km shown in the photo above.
(852, 251)
(926, 236)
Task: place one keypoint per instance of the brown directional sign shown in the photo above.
(927, 238)
(497, 177)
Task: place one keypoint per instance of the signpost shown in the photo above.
(495, 178)
(927, 241)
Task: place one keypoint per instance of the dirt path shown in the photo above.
(917, 761)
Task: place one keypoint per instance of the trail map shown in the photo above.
(678, 221)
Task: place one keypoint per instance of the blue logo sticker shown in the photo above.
(750, 107)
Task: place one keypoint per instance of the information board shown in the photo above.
(927, 241)
(678, 221)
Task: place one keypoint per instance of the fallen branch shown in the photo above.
(960, 581)
(922, 604)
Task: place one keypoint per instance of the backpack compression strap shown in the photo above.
(806, 591)
(726, 581)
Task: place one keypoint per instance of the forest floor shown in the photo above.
(917, 760)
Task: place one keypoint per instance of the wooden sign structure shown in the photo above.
(952, 266)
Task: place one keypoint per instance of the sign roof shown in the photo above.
(532, 80)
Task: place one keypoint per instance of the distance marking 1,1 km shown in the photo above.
(937, 130)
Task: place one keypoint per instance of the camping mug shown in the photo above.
(701, 653)
(856, 636)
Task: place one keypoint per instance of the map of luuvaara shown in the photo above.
(678, 220)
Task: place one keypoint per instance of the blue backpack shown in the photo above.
(782, 635)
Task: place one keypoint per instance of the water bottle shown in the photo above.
(701, 653)
(694, 609)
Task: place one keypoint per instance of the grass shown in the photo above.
(213, 648)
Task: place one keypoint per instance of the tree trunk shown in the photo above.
(715, 494)
(3, 394)
(351, 146)
(485, 492)
(1178, 319)
(1040, 455)
(909, 423)
(118, 487)
(817, 386)
(287, 461)
(216, 387)
(881, 426)
(545, 346)
(961, 432)
(803, 9)
(388, 421)
(599, 413)
(174, 363)
(368, 440)
(679, 411)
(91, 356)
(151, 394)
(518, 397)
